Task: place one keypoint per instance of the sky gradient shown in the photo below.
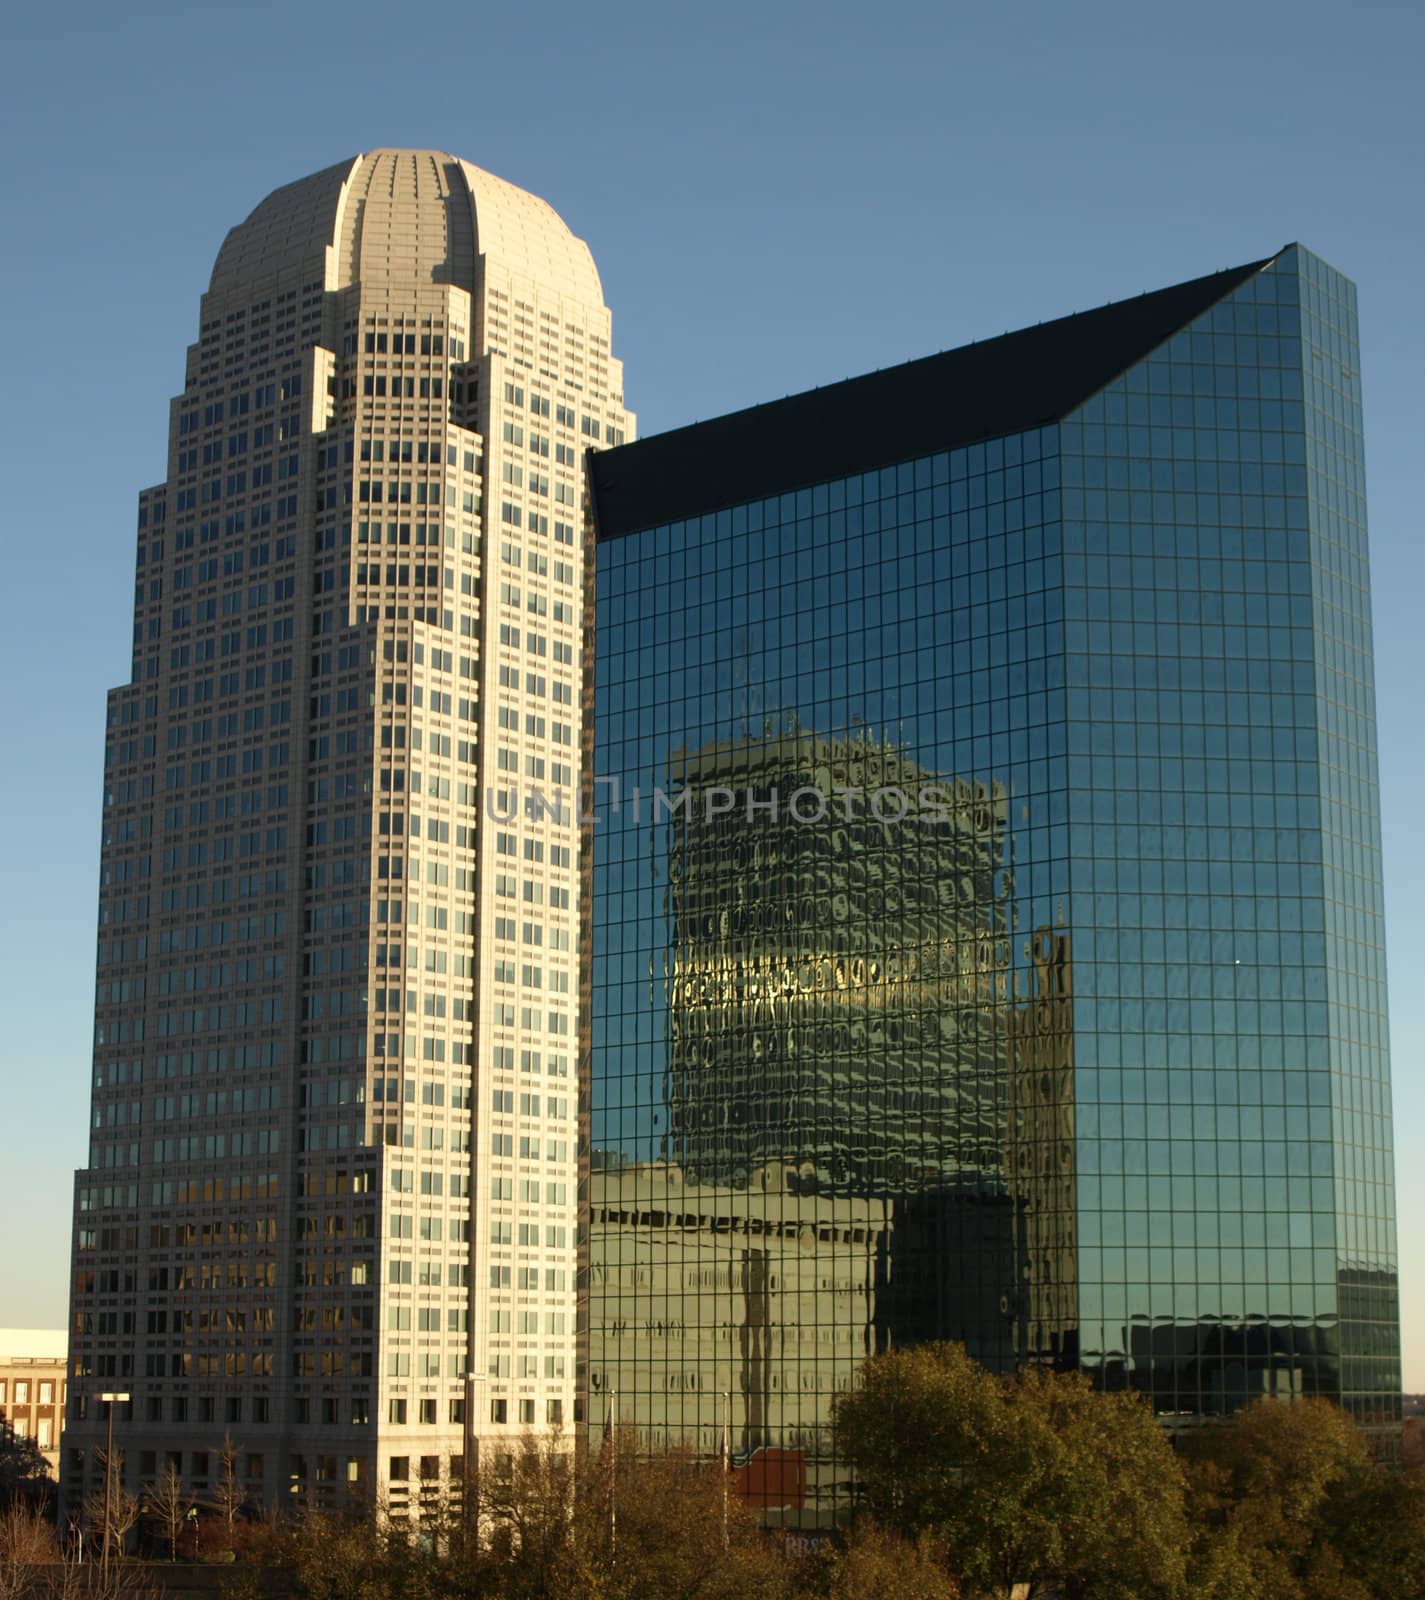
(776, 196)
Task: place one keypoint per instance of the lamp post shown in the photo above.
(110, 1400)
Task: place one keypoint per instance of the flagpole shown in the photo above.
(613, 1478)
(726, 1459)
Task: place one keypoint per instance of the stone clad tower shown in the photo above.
(326, 1237)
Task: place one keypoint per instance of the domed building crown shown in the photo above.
(404, 215)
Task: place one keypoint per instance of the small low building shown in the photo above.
(32, 1384)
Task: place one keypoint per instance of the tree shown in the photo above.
(1261, 1488)
(166, 1502)
(229, 1496)
(1033, 1478)
(547, 1532)
(1377, 1527)
(567, 1523)
(1288, 1502)
(868, 1561)
(110, 1510)
(1116, 1499)
(679, 1537)
(75, 1579)
(529, 1511)
(354, 1557)
(26, 1545)
(24, 1472)
(34, 1566)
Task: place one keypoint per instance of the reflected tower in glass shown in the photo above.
(987, 935)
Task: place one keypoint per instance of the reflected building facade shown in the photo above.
(868, 1104)
(820, 970)
(1093, 1071)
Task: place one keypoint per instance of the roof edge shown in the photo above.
(983, 390)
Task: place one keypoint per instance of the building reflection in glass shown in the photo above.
(1115, 1061)
(869, 1106)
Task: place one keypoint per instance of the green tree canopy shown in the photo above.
(1032, 1478)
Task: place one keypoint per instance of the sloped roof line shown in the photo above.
(980, 391)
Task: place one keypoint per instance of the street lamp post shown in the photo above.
(110, 1401)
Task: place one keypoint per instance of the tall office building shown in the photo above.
(1002, 958)
(326, 1236)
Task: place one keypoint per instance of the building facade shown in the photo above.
(33, 1378)
(987, 885)
(328, 1222)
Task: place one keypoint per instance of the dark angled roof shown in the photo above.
(981, 391)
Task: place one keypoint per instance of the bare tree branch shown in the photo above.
(166, 1502)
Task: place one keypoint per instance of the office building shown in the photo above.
(987, 893)
(328, 1221)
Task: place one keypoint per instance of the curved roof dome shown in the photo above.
(402, 214)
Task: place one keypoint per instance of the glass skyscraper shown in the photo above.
(986, 882)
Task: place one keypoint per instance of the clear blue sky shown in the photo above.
(777, 195)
